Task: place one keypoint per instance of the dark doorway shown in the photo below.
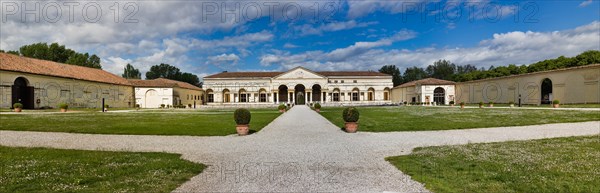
(22, 93)
(283, 94)
(546, 91)
(316, 93)
(299, 92)
(439, 95)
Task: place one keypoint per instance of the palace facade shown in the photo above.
(298, 86)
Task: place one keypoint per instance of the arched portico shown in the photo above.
(282, 94)
(546, 91)
(23, 93)
(300, 94)
(316, 93)
(439, 95)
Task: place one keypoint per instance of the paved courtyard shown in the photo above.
(298, 152)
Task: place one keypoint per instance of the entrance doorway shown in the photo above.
(22, 93)
(439, 95)
(299, 92)
(283, 94)
(546, 91)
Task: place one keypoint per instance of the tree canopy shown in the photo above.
(58, 53)
(394, 72)
(130, 72)
(171, 72)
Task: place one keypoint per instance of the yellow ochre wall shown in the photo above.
(51, 91)
(183, 96)
(569, 86)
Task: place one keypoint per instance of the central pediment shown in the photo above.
(299, 73)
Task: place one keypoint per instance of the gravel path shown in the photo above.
(298, 152)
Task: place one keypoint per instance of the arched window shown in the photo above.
(439, 95)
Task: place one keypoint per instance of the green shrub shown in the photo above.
(555, 102)
(242, 116)
(137, 105)
(351, 114)
(17, 105)
(106, 106)
(491, 102)
(281, 107)
(462, 103)
(451, 102)
(405, 102)
(480, 103)
(189, 105)
(317, 106)
(63, 105)
(162, 105)
(511, 103)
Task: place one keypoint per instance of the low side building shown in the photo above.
(40, 83)
(161, 91)
(425, 90)
(298, 86)
(576, 85)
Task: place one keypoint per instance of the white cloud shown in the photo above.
(515, 47)
(307, 29)
(290, 45)
(223, 58)
(585, 3)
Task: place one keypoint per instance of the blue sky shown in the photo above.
(341, 35)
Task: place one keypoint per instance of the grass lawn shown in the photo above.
(416, 118)
(53, 170)
(548, 165)
(196, 123)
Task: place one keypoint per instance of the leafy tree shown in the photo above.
(414, 73)
(394, 72)
(58, 53)
(442, 69)
(171, 72)
(130, 72)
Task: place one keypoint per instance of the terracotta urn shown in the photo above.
(351, 127)
(282, 110)
(462, 106)
(63, 110)
(18, 110)
(318, 110)
(242, 129)
(555, 105)
(491, 105)
(512, 105)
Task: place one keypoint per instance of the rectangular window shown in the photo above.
(243, 98)
(336, 97)
(342, 81)
(385, 96)
(211, 98)
(263, 97)
(354, 96)
(354, 81)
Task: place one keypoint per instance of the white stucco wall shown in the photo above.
(145, 99)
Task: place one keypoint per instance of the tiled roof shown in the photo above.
(352, 73)
(10, 62)
(163, 83)
(273, 74)
(245, 74)
(427, 81)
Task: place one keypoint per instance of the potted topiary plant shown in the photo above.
(242, 119)
(281, 108)
(63, 107)
(555, 103)
(318, 107)
(511, 104)
(462, 105)
(480, 104)
(491, 104)
(137, 107)
(18, 107)
(405, 103)
(162, 106)
(351, 116)
(190, 106)
(451, 103)
(106, 108)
